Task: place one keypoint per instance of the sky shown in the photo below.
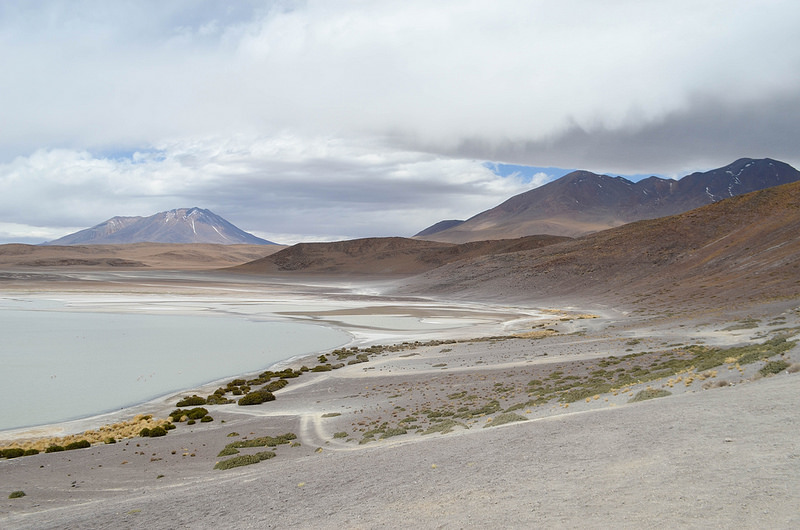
(325, 120)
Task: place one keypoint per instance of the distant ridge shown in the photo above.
(182, 225)
(383, 255)
(439, 227)
(582, 202)
(743, 248)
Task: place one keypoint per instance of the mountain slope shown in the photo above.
(183, 225)
(742, 248)
(383, 256)
(583, 202)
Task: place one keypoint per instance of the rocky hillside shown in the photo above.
(744, 247)
(583, 202)
(383, 256)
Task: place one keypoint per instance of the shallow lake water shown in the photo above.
(60, 364)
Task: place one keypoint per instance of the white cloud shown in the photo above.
(279, 187)
(324, 111)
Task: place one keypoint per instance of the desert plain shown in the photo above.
(581, 412)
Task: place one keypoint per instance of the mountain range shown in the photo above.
(739, 249)
(582, 202)
(182, 225)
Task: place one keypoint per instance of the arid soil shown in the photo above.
(132, 256)
(416, 434)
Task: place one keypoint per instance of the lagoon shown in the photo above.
(61, 363)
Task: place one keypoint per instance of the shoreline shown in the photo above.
(421, 431)
(497, 318)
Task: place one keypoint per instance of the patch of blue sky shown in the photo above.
(133, 156)
(525, 173)
(528, 173)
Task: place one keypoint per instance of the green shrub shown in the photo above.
(444, 427)
(773, 367)
(206, 419)
(192, 401)
(196, 413)
(217, 399)
(322, 368)
(649, 393)
(244, 460)
(393, 431)
(506, 417)
(145, 433)
(16, 494)
(275, 385)
(168, 426)
(80, 444)
(157, 431)
(341, 434)
(31, 452)
(54, 449)
(13, 452)
(228, 450)
(257, 397)
(190, 422)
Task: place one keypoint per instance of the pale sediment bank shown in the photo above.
(365, 322)
(598, 461)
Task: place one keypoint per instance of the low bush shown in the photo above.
(649, 393)
(244, 460)
(506, 417)
(257, 397)
(217, 399)
(31, 452)
(192, 401)
(773, 367)
(228, 450)
(197, 413)
(341, 434)
(444, 427)
(157, 431)
(54, 449)
(393, 431)
(275, 385)
(16, 494)
(206, 419)
(13, 452)
(322, 368)
(80, 444)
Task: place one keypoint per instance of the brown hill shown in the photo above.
(153, 255)
(583, 202)
(741, 248)
(383, 256)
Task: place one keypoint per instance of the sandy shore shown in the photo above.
(720, 450)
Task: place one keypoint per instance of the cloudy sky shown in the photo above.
(320, 120)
